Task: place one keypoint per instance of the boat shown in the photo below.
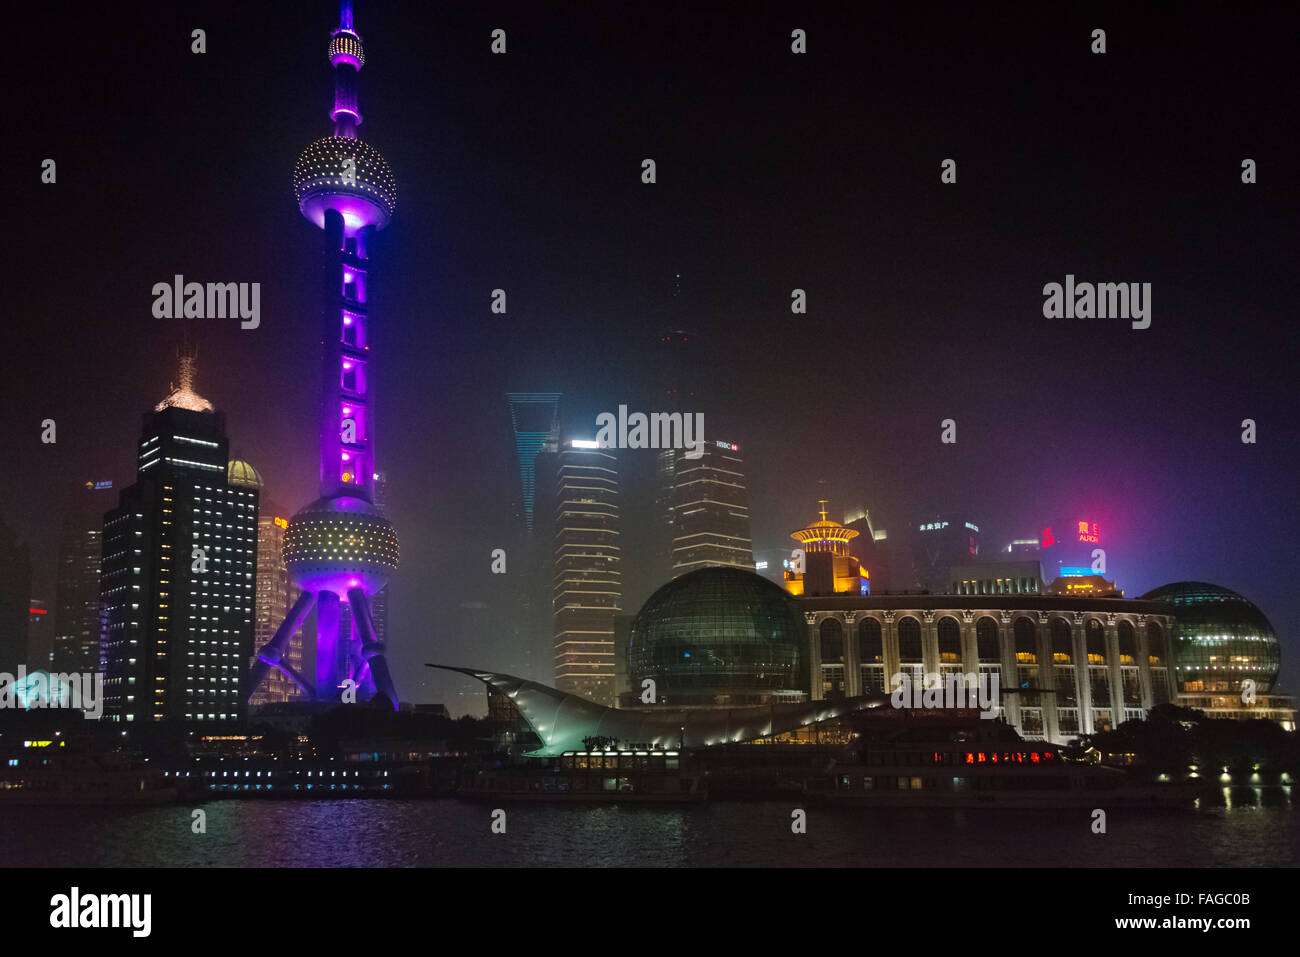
(44, 774)
(922, 769)
(584, 777)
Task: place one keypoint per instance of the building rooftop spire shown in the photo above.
(183, 395)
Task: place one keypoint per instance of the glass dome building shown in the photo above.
(1220, 639)
(718, 636)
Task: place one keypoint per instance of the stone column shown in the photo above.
(1007, 654)
(1144, 663)
(852, 657)
(970, 659)
(1115, 670)
(1047, 680)
(1081, 670)
(929, 643)
(890, 636)
(815, 692)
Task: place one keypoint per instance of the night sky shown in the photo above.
(775, 171)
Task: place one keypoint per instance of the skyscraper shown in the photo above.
(341, 545)
(534, 424)
(177, 578)
(77, 617)
(940, 542)
(40, 636)
(701, 504)
(710, 509)
(275, 593)
(587, 562)
(15, 593)
(534, 418)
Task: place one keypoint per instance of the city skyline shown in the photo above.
(1137, 430)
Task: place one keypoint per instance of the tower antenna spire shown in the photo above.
(347, 56)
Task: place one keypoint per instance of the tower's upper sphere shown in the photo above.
(345, 47)
(339, 543)
(718, 636)
(363, 191)
(1220, 638)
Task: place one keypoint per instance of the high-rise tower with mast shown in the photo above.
(340, 547)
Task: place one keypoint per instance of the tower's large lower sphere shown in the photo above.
(340, 543)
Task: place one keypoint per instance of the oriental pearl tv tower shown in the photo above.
(340, 548)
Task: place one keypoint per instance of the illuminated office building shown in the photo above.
(40, 636)
(940, 542)
(710, 509)
(534, 425)
(178, 573)
(275, 593)
(587, 583)
(78, 617)
(534, 419)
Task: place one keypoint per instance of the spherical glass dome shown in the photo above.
(239, 472)
(1220, 638)
(720, 636)
(337, 544)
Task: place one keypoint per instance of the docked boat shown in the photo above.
(909, 771)
(51, 776)
(631, 777)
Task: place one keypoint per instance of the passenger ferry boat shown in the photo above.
(44, 774)
(919, 768)
(634, 777)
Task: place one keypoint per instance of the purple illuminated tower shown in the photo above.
(340, 548)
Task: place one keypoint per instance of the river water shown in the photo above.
(430, 833)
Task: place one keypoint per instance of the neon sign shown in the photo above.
(1089, 533)
(1047, 538)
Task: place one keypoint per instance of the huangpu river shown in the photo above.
(1248, 830)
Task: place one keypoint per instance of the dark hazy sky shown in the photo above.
(775, 171)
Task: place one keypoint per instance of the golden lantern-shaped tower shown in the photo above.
(823, 564)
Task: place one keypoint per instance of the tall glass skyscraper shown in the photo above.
(534, 419)
(711, 509)
(588, 587)
(178, 572)
(275, 593)
(77, 616)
